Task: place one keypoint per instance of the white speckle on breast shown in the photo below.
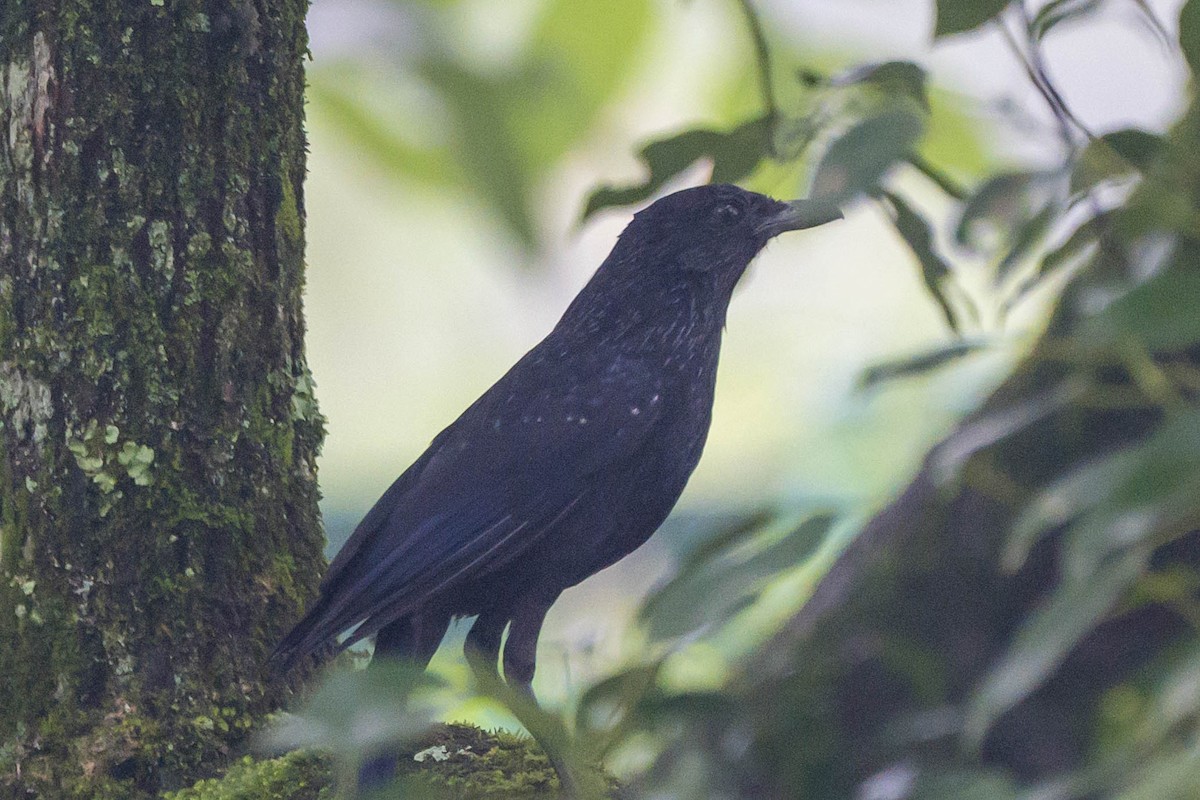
(634, 410)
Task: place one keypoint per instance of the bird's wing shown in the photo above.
(489, 486)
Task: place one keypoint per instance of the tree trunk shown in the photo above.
(158, 494)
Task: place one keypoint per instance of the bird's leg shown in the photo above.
(414, 639)
(520, 662)
(482, 648)
(520, 651)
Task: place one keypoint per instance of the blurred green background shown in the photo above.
(454, 146)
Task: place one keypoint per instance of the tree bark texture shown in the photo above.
(159, 526)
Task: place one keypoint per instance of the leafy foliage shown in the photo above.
(958, 16)
(506, 126)
(1022, 621)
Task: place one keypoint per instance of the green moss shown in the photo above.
(464, 761)
(164, 506)
(453, 761)
(295, 776)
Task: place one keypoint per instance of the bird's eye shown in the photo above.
(727, 214)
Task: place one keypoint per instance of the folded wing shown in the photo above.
(494, 483)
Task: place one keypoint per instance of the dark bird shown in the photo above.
(570, 461)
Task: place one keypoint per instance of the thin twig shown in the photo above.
(1156, 24)
(943, 181)
(1039, 66)
(762, 54)
(1064, 126)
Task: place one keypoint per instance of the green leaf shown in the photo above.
(1189, 34)
(1156, 494)
(604, 706)
(485, 148)
(857, 162)
(1046, 638)
(1117, 501)
(735, 154)
(710, 590)
(917, 365)
(1170, 776)
(964, 785)
(357, 713)
(1026, 238)
(340, 98)
(579, 56)
(994, 208)
(894, 78)
(1159, 314)
(957, 16)
(1082, 237)
(1116, 155)
(917, 233)
(1140, 148)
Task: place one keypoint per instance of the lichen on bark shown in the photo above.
(158, 498)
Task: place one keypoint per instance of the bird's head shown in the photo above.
(711, 233)
(681, 257)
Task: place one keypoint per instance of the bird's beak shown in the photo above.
(798, 215)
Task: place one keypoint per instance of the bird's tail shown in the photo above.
(307, 637)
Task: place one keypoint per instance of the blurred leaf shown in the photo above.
(916, 365)
(709, 591)
(579, 56)
(603, 707)
(894, 78)
(994, 427)
(1076, 245)
(1140, 148)
(913, 228)
(1059, 11)
(330, 92)
(995, 207)
(485, 148)
(955, 785)
(356, 713)
(957, 16)
(734, 153)
(857, 162)
(1159, 314)
(1061, 502)
(513, 125)
(1087, 234)
(733, 533)
(1154, 490)
(1189, 34)
(1172, 776)
(1025, 238)
(1114, 155)
(1117, 501)
(1176, 696)
(1047, 636)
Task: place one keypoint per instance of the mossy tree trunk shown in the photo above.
(158, 495)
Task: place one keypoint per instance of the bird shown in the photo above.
(568, 463)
